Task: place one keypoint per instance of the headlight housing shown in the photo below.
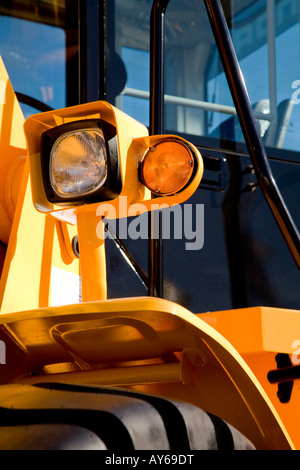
(87, 156)
(80, 162)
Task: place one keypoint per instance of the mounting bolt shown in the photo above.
(75, 246)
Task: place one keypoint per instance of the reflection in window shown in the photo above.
(138, 71)
(34, 56)
(198, 101)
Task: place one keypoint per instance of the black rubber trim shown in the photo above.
(33, 102)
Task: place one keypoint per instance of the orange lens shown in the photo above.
(167, 167)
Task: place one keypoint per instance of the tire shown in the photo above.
(72, 417)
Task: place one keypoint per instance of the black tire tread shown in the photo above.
(63, 416)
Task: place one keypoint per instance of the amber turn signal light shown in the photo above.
(167, 167)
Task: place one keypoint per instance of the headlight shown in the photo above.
(80, 162)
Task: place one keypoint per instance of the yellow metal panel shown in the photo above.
(33, 251)
(34, 245)
(242, 327)
(13, 152)
(258, 328)
(92, 256)
(259, 334)
(146, 344)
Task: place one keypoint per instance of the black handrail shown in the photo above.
(33, 102)
(155, 254)
(252, 137)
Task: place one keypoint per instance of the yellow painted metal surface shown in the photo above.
(259, 334)
(92, 257)
(37, 265)
(13, 153)
(146, 344)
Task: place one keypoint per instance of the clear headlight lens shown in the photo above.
(78, 163)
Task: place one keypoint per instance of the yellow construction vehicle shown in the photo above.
(145, 263)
